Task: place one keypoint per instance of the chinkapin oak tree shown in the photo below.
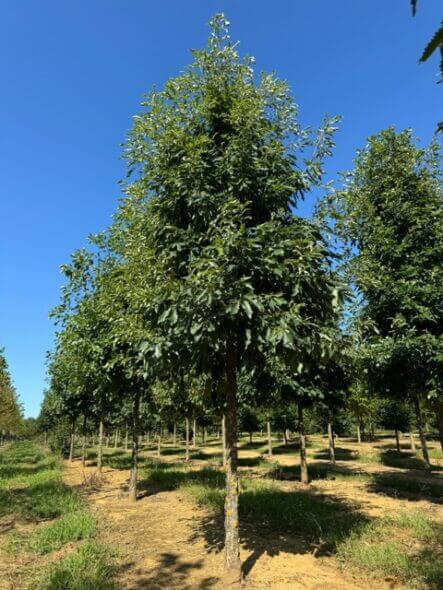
(231, 273)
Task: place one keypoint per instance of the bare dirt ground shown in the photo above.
(162, 540)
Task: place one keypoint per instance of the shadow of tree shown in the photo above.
(274, 520)
(170, 572)
(341, 454)
(316, 470)
(405, 460)
(397, 485)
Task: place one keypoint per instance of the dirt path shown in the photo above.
(164, 542)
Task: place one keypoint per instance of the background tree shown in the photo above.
(390, 214)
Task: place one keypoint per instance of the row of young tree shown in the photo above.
(211, 298)
(11, 412)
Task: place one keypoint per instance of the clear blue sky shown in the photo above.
(73, 74)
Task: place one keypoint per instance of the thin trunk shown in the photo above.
(84, 442)
(116, 439)
(194, 434)
(107, 441)
(285, 437)
(440, 424)
(126, 438)
(100, 446)
(421, 431)
(358, 434)
(45, 439)
(159, 445)
(268, 428)
(304, 477)
(232, 544)
(187, 439)
(135, 447)
(71, 446)
(331, 439)
(223, 428)
(174, 435)
(397, 441)
(204, 435)
(412, 442)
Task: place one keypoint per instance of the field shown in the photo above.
(377, 515)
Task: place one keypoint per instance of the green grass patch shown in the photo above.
(396, 485)
(89, 568)
(407, 547)
(51, 537)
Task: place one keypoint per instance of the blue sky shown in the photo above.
(73, 75)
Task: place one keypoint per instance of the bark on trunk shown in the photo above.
(100, 446)
(223, 428)
(194, 434)
(285, 437)
(187, 439)
(268, 428)
(159, 445)
(204, 435)
(84, 442)
(440, 424)
(331, 439)
(174, 435)
(412, 442)
(232, 544)
(304, 477)
(397, 441)
(126, 438)
(116, 439)
(71, 446)
(421, 431)
(135, 447)
(358, 434)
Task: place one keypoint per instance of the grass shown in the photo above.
(32, 490)
(51, 537)
(396, 485)
(88, 568)
(407, 547)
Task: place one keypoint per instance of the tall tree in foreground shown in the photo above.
(232, 273)
(391, 214)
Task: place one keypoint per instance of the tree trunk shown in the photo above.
(440, 424)
(194, 434)
(412, 442)
(159, 445)
(268, 428)
(224, 439)
(107, 441)
(421, 431)
(45, 438)
(116, 439)
(358, 434)
(174, 435)
(331, 439)
(304, 477)
(100, 446)
(135, 446)
(397, 441)
(232, 544)
(285, 437)
(84, 442)
(204, 435)
(187, 439)
(71, 446)
(126, 438)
